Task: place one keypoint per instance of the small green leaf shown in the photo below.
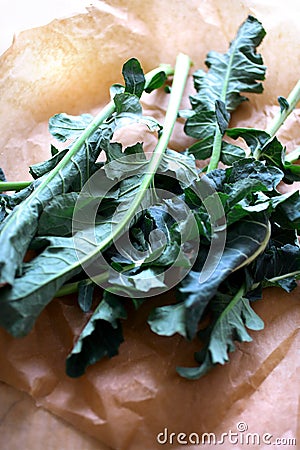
(133, 77)
(229, 152)
(284, 104)
(85, 295)
(127, 103)
(63, 126)
(278, 266)
(255, 139)
(101, 336)
(230, 320)
(40, 169)
(269, 176)
(168, 320)
(157, 81)
(2, 176)
(222, 116)
(287, 214)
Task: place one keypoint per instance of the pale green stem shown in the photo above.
(13, 185)
(216, 152)
(182, 67)
(237, 297)
(287, 275)
(180, 76)
(293, 156)
(71, 288)
(217, 145)
(293, 99)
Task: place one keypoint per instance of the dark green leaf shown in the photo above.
(133, 77)
(36, 286)
(229, 325)
(219, 89)
(56, 218)
(261, 145)
(127, 103)
(201, 125)
(63, 126)
(291, 172)
(278, 266)
(2, 175)
(241, 66)
(222, 116)
(244, 242)
(287, 213)
(284, 104)
(269, 176)
(101, 336)
(202, 149)
(229, 152)
(182, 166)
(40, 169)
(255, 139)
(123, 164)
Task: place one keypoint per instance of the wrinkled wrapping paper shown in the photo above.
(67, 65)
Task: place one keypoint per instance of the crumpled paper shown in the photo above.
(136, 399)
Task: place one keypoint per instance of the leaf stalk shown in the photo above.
(293, 99)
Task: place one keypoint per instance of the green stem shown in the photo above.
(293, 156)
(216, 152)
(71, 288)
(182, 67)
(180, 76)
(106, 112)
(293, 99)
(286, 275)
(237, 297)
(13, 185)
(217, 145)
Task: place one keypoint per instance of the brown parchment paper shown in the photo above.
(67, 65)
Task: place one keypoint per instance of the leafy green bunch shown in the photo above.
(138, 226)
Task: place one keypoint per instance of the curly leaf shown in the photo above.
(63, 126)
(168, 320)
(229, 325)
(231, 73)
(219, 89)
(244, 242)
(101, 336)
